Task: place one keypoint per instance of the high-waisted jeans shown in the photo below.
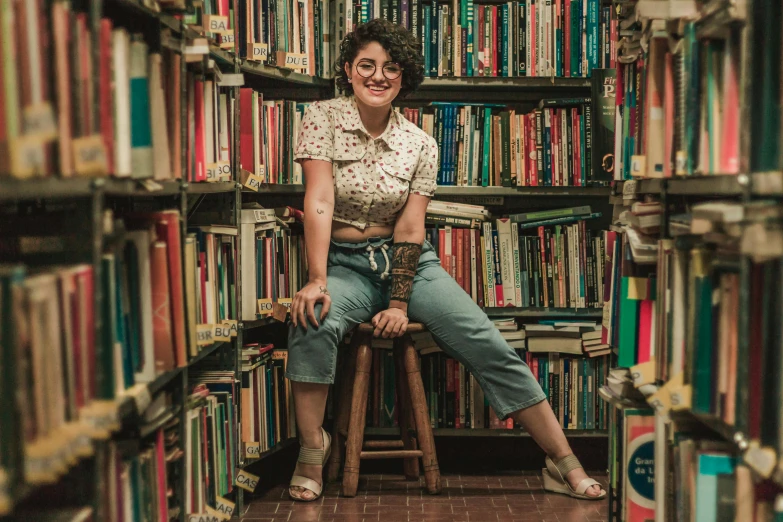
(359, 289)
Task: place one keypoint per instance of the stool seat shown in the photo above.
(412, 328)
(416, 437)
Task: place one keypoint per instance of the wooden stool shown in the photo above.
(415, 430)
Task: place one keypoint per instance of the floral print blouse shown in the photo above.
(372, 176)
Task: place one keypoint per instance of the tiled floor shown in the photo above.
(465, 498)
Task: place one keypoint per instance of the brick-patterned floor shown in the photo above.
(465, 498)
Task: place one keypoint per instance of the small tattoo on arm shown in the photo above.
(324, 290)
(319, 211)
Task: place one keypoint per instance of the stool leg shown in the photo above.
(343, 396)
(361, 388)
(426, 441)
(407, 423)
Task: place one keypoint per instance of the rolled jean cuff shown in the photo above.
(310, 380)
(504, 414)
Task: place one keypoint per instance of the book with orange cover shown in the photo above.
(162, 308)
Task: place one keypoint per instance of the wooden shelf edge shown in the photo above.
(482, 432)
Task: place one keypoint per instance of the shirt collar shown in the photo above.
(393, 135)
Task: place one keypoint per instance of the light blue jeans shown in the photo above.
(458, 325)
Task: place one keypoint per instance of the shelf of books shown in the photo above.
(149, 236)
(695, 295)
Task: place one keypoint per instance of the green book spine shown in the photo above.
(629, 317)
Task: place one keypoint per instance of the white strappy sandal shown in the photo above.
(315, 457)
(555, 479)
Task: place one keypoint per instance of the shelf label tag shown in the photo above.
(232, 80)
(39, 121)
(285, 301)
(227, 39)
(216, 23)
(204, 334)
(252, 450)
(140, 394)
(265, 306)
(89, 155)
(762, 460)
(629, 189)
(638, 166)
(296, 61)
(27, 157)
(253, 182)
(643, 373)
(247, 481)
(212, 173)
(221, 333)
(659, 401)
(681, 163)
(220, 171)
(260, 52)
(679, 393)
(224, 507)
(231, 324)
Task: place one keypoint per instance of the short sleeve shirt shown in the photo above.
(372, 176)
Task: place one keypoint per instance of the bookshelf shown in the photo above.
(702, 372)
(77, 206)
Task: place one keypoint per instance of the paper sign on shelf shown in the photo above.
(28, 157)
(204, 334)
(253, 182)
(260, 52)
(39, 121)
(226, 40)
(224, 507)
(296, 61)
(643, 373)
(264, 306)
(232, 325)
(221, 333)
(246, 481)
(252, 450)
(89, 155)
(285, 301)
(232, 80)
(216, 23)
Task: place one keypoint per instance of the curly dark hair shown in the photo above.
(404, 49)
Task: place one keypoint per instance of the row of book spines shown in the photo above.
(214, 288)
(132, 86)
(455, 399)
(266, 400)
(280, 266)
(268, 131)
(481, 146)
(571, 386)
(286, 27)
(560, 267)
(566, 38)
(213, 427)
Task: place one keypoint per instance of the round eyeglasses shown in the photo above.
(391, 71)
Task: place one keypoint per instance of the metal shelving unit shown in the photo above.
(595, 191)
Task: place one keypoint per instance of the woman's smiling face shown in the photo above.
(372, 75)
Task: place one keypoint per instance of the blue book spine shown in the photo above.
(504, 41)
(547, 148)
(453, 146)
(447, 136)
(486, 133)
(439, 117)
(471, 44)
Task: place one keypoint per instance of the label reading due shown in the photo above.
(293, 60)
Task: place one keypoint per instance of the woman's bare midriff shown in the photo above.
(346, 233)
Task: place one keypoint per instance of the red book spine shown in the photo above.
(479, 269)
(466, 268)
(169, 231)
(246, 129)
(494, 22)
(198, 100)
(457, 243)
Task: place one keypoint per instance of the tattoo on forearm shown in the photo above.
(319, 211)
(324, 290)
(405, 260)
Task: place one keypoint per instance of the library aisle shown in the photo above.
(465, 498)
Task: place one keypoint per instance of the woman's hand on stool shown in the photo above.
(390, 323)
(304, 302)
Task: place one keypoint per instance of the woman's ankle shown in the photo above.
(311, 438)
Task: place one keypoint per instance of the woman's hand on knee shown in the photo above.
(390, 323)
(303, 304)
